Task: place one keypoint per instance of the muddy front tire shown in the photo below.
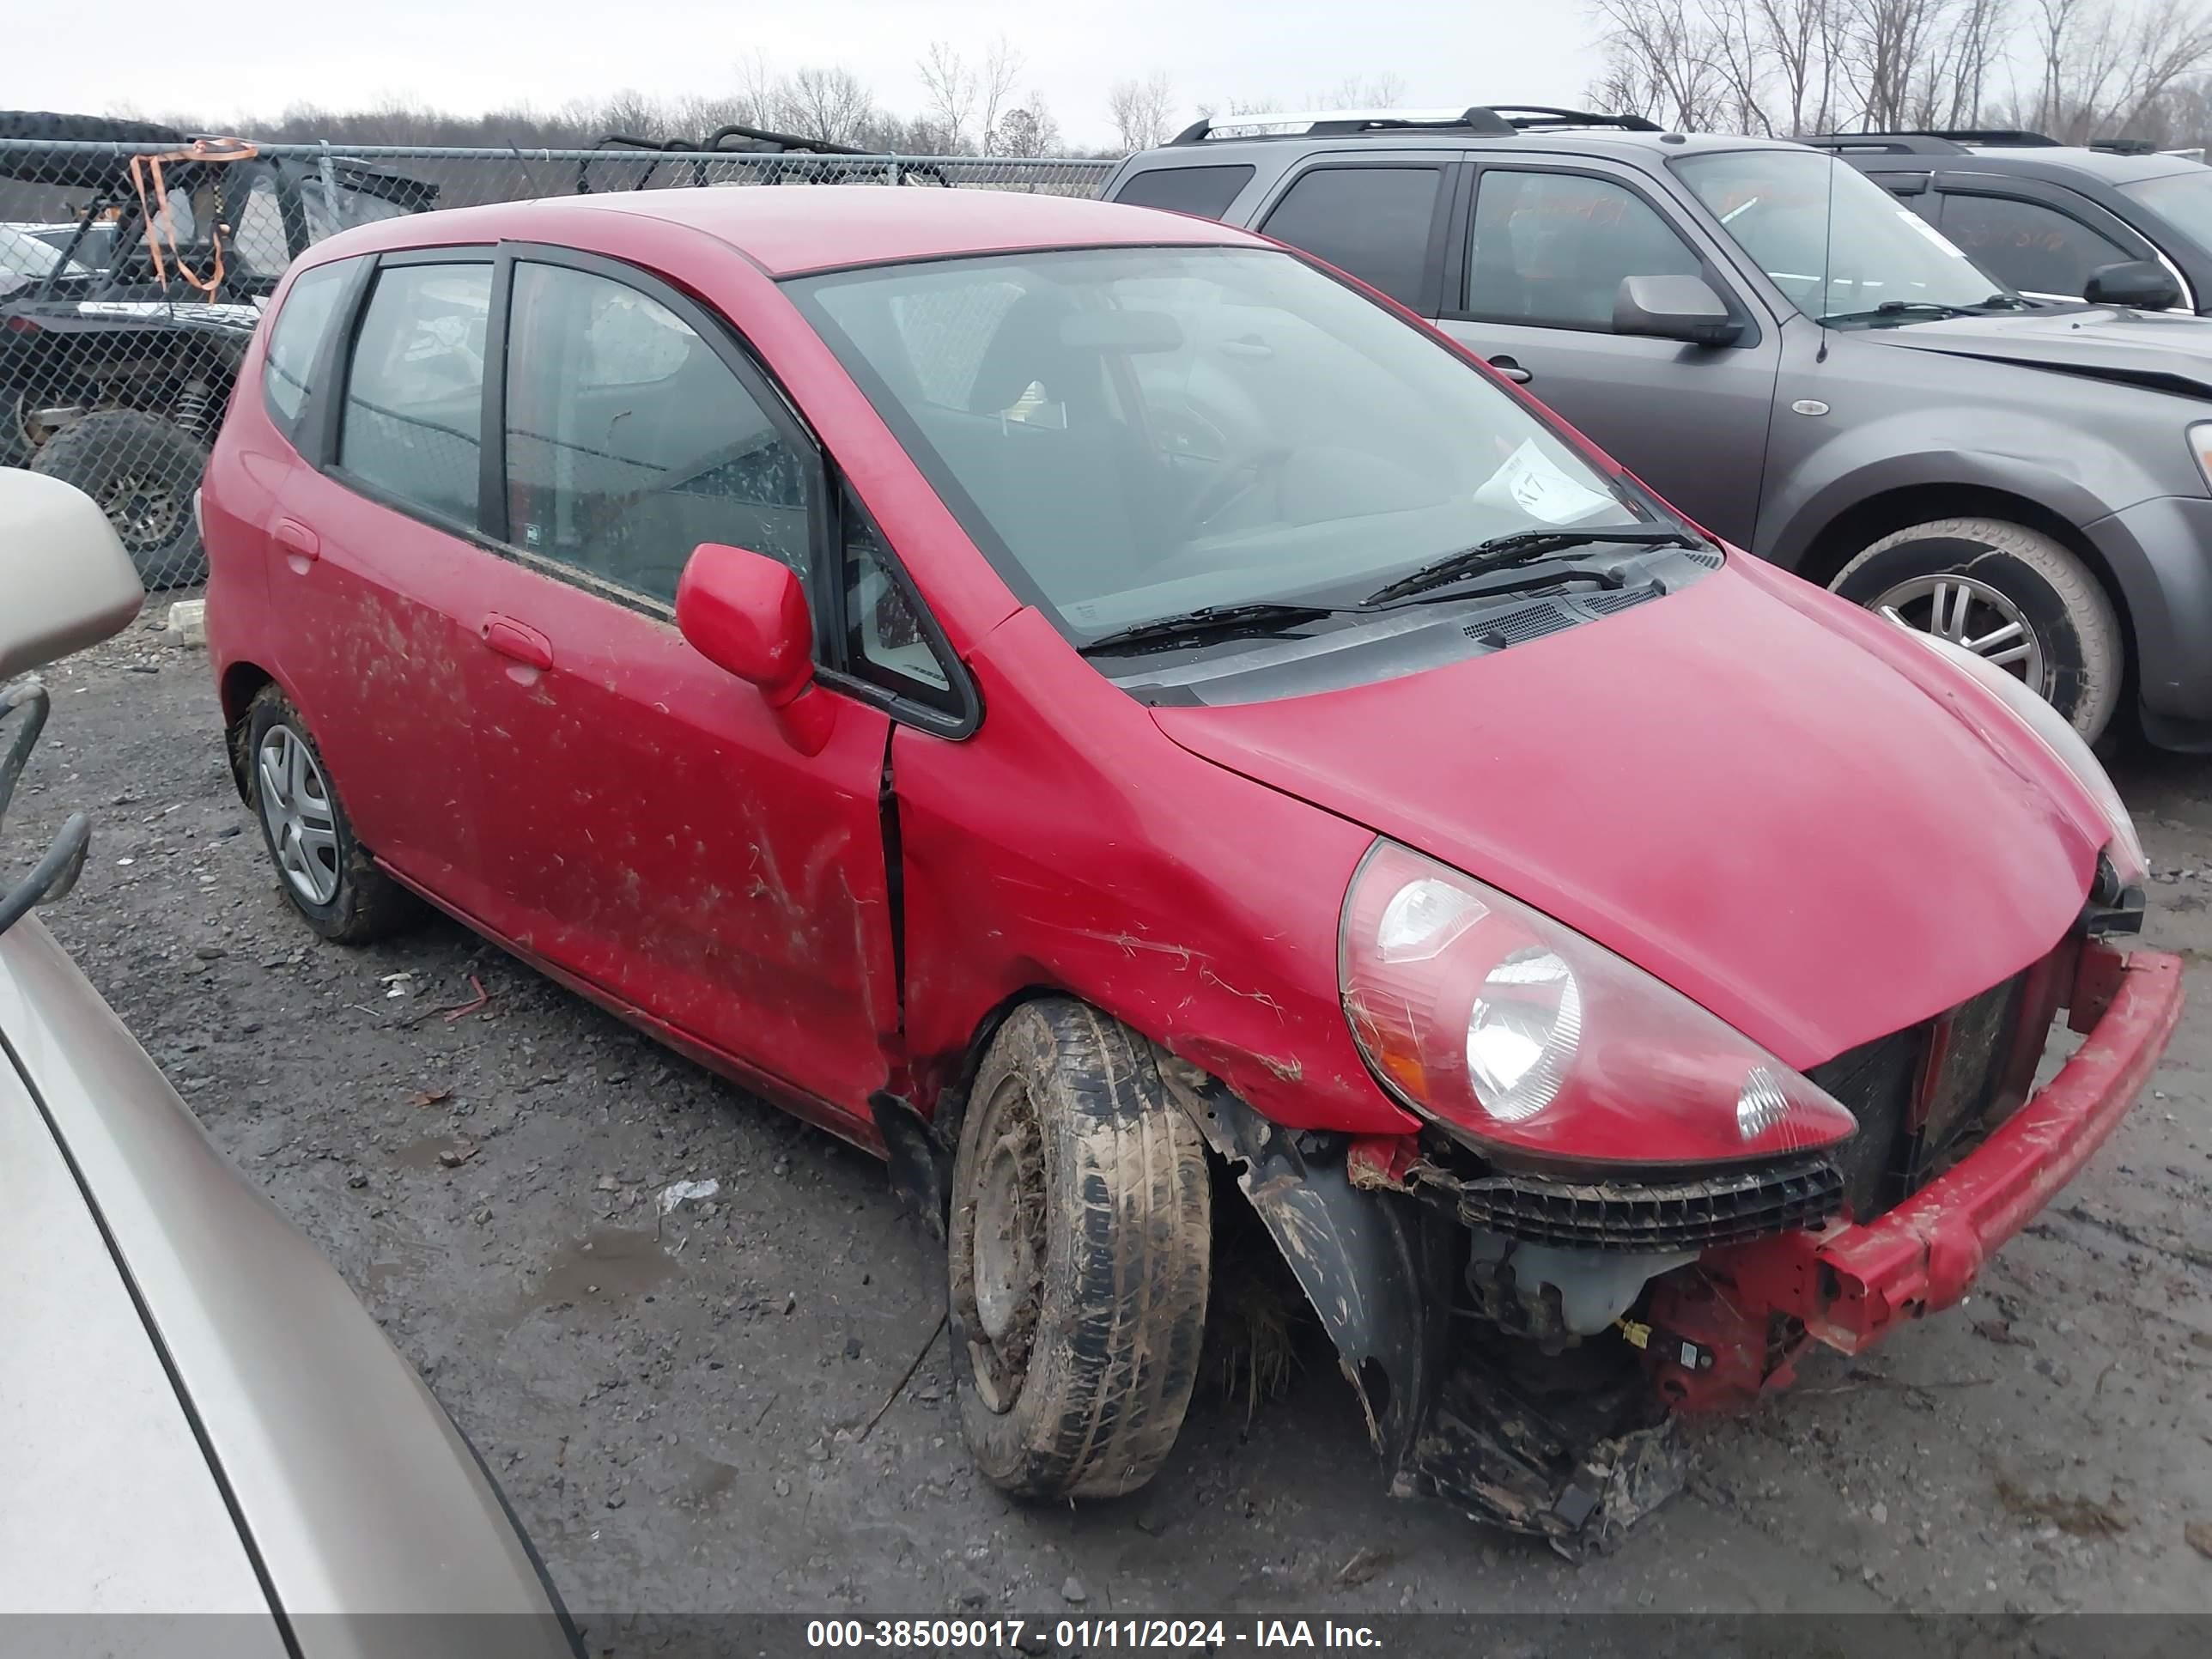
(1080, 1247)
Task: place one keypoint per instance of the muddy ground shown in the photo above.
(675, 1401)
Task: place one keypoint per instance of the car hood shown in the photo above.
(2168, 351)
(1777, 804)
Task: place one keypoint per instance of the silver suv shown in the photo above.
(1772, 341)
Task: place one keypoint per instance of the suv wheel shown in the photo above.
(1080, 1247)
(2014, 595)
(142, 471)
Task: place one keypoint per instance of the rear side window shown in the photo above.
(1373, 221)
(1206, 192)
(2033, 249)
(1551, 248)
(413, 421)
(296, 340)
(629, 441)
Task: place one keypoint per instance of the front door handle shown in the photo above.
(1510, 369)
(301, 546)
(517, 640)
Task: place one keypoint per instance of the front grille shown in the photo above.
(1908, 1133)
(1653, 1215)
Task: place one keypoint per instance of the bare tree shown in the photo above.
(829, 104)
(949, 85)
(1002, 66)
(1139, 110)
(1661, 62)
(2104, 69)
(1383, 91)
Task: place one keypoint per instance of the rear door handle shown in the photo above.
(303, 547)
(517, 640)
(1510, 369)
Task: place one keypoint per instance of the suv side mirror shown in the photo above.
(1683, 308)
(2138, 284)
(747, 613)
(65, 582)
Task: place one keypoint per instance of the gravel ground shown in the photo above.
(677, 1403)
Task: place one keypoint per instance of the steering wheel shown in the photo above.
(1240, 475)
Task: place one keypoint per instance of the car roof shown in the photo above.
(1641, 148)
(2028, 160)
(789, 228)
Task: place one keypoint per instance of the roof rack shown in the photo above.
(1943, 141)
(2124, 146)
(1495, 120)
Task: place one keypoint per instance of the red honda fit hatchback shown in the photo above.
(1105, 712)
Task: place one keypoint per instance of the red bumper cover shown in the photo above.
(1851, 1283)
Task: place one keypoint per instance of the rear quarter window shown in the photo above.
(296, 339)
(1206, 192)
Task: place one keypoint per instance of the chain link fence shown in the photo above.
(134, 267)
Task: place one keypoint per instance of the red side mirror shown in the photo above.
(747, 613)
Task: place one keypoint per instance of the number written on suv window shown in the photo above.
(2033, 249)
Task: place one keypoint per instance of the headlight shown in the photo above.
(2200, 446)
(1510, 1029)
(2063, 742)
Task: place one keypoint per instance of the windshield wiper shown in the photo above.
(1522, 547)
(1913, 310)
(1210, 621)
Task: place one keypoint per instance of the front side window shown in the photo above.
(1842, 248)
(413, 420)
(1552, 248)
(2036, 249)
(2184, 200)
(1147, 431)
(1373, 221)
(884, 640)
(295, 339)
(629, 441)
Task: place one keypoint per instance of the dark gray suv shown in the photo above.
(2050, 218)
(1793, 358)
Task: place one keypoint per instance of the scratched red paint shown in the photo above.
(1732, 790)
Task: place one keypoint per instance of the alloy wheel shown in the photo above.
(297, 812)
(1970, 613)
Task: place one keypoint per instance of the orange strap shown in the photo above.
(146, 176)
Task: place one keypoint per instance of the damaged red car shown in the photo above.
(1110, 716)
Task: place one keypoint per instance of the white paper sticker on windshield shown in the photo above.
(1929, 230)
(1533, 482)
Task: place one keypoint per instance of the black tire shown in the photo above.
(142, 471)
(1095, 1187)
(2077, 633)
(68, 170)
(366, 904)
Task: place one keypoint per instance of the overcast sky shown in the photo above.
(474, 54)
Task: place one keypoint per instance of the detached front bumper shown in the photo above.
(1850, 1285)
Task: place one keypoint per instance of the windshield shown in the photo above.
(1839, 245)
(27, 256)
(1133, 432)
(2184, 200)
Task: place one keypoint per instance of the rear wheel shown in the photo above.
(324, 872)
(142, 471)
(1080, 1246)
(2011, 595)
